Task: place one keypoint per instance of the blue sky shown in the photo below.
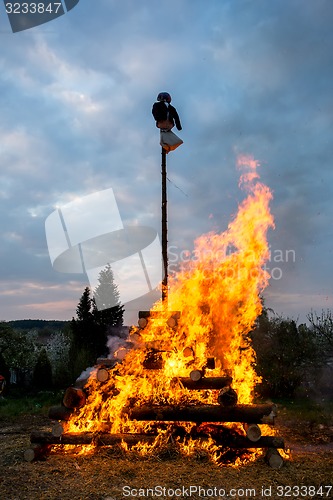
(247, 76)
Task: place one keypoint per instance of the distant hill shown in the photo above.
(30, 324)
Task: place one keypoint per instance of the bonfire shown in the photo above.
(187, 374)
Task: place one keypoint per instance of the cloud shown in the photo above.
(76, 118)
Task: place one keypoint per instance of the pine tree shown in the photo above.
(83, 326)
(83, 310)
(90, 328)
(107, 310)
(86, 344)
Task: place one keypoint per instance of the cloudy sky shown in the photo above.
(246, 76)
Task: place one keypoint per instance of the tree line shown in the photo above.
(45, 358)
(294, 359)
(291, 359)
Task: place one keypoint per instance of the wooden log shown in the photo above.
(251, 414)
(228, 437)
(253, 432)
(270, 419)
(136, 339)
(153, 360)
(273, 458)
(196, 375)
(205, 382)
(102, 375)
(37, 452)
(74, 398)
(271, 442)
(210, 363)
(227, 397)
(105, 439)
(188, 352)
(60, 413)
(110, 363)
(99, 439)
(143, 322)
(57, 430)
(158, 314)
(172, 322)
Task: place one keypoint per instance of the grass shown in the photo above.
(18, 403)
(306, 410)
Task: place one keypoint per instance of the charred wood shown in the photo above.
(227, 437)
(74, 398)
(157, 314)
(106, 362)
(42, 439)
(203, 383)
(81, 438)
(60, 413)
(227, 397)
(263, 442)
(37, 452)
(273, 458)
(252, 414)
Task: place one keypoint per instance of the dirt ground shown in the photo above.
(113, 474)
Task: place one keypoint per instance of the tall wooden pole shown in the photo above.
(164, 231)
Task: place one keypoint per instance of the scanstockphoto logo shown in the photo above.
(279, 261)
(87, 235)
(24, 15)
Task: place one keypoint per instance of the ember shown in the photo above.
(189, 376)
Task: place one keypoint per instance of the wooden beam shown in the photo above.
(104, 439)
(99, 439)
(60, 413)
(203, 383)
(164, 231)
(252, 414)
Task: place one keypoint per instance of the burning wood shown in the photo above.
(203, 383)
(74, 398)
(252, 414)
(60, 413)
(253, 432)
(98, 439)
(102, 375)
(227, 397)
(196, 375)
(106, 439)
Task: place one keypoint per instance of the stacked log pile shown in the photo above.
(208, 419)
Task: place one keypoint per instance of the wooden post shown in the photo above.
(164, 231)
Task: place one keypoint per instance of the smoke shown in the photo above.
(117, 344)
(86, 374)
(114, 343)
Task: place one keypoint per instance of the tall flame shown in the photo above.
(218, 295)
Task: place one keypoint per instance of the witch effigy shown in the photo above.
(166, 118)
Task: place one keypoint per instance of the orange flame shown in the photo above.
(218, 295)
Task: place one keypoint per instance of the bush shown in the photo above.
(42, 375)
(287, 355)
